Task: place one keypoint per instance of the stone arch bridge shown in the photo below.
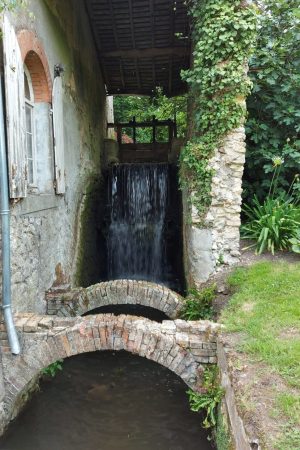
(183, 347)
(76, 302)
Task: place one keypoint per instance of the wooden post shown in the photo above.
(154, 129)
(175, 129)
(170, 127)
(119, 134)
(134, 129)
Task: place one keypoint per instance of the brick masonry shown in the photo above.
(66, 302)
(34, 56)
(183, 347)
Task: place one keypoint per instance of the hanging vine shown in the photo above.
(10, 5)
(223, 34)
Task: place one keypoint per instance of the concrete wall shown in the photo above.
(45, 227)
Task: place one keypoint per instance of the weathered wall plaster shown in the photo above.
(44, 227)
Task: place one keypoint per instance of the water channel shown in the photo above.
(108, 401)
(118, 401)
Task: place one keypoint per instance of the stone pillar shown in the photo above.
(111, 152)
(176, 146)
(214, 241)
(110, 116)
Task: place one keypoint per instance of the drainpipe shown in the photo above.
(5, 224)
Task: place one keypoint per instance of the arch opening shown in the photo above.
(132, 310)
(118, 400)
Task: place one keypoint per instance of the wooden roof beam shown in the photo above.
(146, 53)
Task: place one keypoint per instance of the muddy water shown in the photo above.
(108, 401)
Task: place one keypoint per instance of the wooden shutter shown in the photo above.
(58, 129)
(15, 111)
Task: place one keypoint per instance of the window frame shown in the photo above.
(29, 104)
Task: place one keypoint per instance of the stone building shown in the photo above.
(55, 94)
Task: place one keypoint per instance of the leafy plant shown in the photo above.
(273, 108)
(53, 368)
(144, 108)
(9, 5)
(223, 35)
(274, 223)
(209, 399)
(198, 304)
(295, 242)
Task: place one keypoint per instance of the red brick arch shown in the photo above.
(115, 292)
(60, 338)
(36, 61)
(183, 347)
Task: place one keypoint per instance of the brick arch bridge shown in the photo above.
(77, 302)
(182, 347)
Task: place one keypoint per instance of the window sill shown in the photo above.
(34, 203)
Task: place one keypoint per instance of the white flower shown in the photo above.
(277, 161)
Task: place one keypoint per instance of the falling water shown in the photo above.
(138, 201)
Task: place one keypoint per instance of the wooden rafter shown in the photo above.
(136, 44)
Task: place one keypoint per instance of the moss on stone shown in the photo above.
(91, 258)
(222, 435)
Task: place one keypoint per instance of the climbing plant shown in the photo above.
(9, 5)
(223, 33)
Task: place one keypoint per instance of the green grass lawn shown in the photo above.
(266, 309)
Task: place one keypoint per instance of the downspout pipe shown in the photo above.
(5, 225)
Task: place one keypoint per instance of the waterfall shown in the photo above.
(138, 201)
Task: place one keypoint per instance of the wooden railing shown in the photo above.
(154, 124)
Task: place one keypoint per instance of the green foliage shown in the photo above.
(295, 242)
(198, 304)
(209, 399)
(222, 436)
(223, 35)
(273, 126)
(275, 223)
(9, 5)
(144, 108)
(53, 369)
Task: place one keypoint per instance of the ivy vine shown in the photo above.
(10, 5)
(223, 34)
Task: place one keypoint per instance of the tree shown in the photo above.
(144, 108)
(273, 126)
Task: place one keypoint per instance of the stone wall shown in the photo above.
(208, 247)
(45, 228)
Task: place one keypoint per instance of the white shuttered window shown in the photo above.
(58, 128)
(15, 111)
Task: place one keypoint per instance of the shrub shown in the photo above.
(274, 223)
(198, 304)
(209, 399)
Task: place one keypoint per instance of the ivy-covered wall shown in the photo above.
(212, 161)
